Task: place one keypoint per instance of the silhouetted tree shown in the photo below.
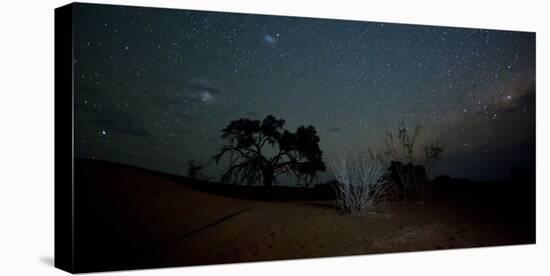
(406, 175)
(405, 172)
(260, 151)
(194, 170)
(433, 154)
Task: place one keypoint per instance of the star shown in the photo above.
(324, 73)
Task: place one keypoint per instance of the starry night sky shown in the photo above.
(154, 87)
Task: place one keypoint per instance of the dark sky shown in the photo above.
(154, 87)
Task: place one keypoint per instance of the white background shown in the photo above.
(27, 140)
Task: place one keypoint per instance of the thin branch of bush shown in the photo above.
(359, 183)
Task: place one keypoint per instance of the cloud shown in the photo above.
(121, 123)
(251, 114)
(200, 91)
(523, 100)
(501, 124)
(132, 128)
(202, 85)
(334, 130)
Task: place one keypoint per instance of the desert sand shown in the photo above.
(128, 217)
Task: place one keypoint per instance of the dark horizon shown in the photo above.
(155, 87)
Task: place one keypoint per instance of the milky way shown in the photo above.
(154, 87)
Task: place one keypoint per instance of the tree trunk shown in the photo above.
(268, 177)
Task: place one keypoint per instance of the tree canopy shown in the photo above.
(259, 151)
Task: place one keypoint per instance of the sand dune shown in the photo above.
(131, 218)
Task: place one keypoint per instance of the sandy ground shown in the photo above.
(133, 219)
(268, 231)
